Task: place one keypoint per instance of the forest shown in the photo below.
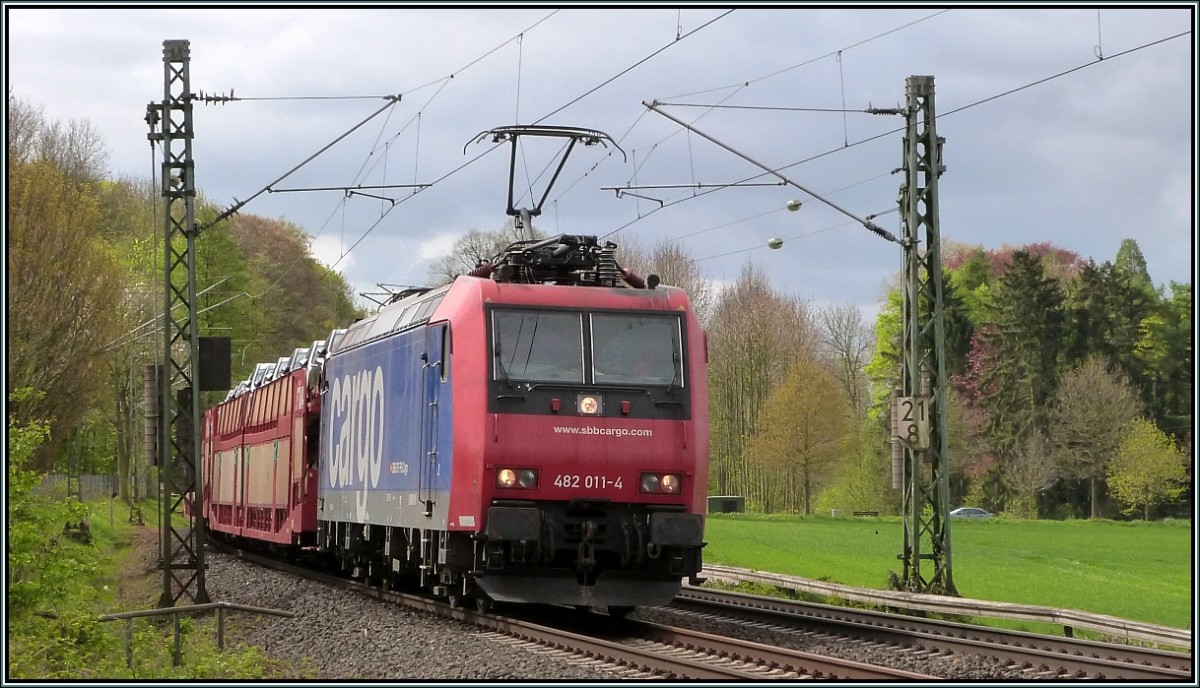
(85, 294)
(1071, 377)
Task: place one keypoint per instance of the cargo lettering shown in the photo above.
(356, 427)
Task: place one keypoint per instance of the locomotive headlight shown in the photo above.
(527, 479)
(506, 477)
(661, 483)
(649, 482)
(521, 478)
(590, 404)
(670, 483)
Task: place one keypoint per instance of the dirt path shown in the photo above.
(139, 579)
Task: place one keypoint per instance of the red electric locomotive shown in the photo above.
(535, 431)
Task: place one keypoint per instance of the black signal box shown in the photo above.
(214, 364)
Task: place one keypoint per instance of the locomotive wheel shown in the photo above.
(619, 612)
(454, 599)
(483, 603)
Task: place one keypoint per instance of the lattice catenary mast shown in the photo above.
(182, 552)
(919, 414)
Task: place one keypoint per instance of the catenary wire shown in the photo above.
(614, 78)
(798, 236)
(743, 84)
(389, 210)
(630, 68)
(900, 129)
(737, 89)
(364, 169)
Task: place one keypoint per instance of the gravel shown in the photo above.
(951, 666)
(345, 635)
(342, 635)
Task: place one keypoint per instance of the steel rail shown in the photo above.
(806, 664)
(1042, 653)
(653, 649)
(1070, 619)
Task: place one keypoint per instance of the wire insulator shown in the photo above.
(482, 270)
(606, 267)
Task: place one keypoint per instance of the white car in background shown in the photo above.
(970, 512)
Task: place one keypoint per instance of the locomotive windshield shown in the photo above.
(539, 345)
(623, 349)
(636, 349)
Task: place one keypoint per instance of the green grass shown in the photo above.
(1138, 571)
(63, 639)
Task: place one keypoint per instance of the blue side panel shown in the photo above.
(386, 422)
(437, 426)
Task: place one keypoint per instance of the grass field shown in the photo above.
(1140, 571)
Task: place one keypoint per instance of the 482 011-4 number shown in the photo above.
(590, 482)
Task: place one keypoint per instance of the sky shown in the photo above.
(1071, 124)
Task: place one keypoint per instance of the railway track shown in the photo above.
(649, 650)
(630, 648)
(1030, 655)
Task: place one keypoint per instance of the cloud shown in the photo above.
(331, 253)
(1084, 160)
(436, 247)
(1177, 196)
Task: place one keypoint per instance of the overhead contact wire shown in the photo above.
(635, 65)
(744, 84)
(610, 80)
(444, 81)
(389, 210)
(240, 204)
(900, 129)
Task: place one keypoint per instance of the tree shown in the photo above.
(958, 326)
(74, 148)
(803, 429)
(968, 270)
(1148, 470)
(969, 454)
(62, 280)
(1105, 310)
(1164, 352)
(62, 284)
(754, 336)
(1131, 264)
(675, 267)
(38, 568)
(883, 370)
(23, 124)
(1091, 410)
(1026, 337)
(293, 299)
(847, 341)
(476, 247)
(128, 211)
(1031, 471)
(862, 479)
